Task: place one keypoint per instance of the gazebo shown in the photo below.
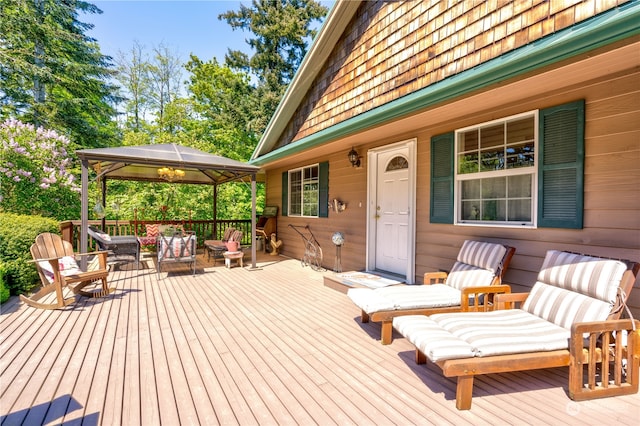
(162, 163)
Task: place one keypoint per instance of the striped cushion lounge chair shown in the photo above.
(477, 271)
(570, 315)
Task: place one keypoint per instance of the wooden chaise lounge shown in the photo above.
(570, 318)
(476, 274)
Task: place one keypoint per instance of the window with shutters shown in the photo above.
(526, 170)
(304, 191)
(496, 173)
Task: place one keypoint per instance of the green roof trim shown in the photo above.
(609, 27)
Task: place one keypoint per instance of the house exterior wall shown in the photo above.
(346, 184)
(379, 60)
(392, 49)
(611, 202)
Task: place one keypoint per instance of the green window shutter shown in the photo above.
(285, 193)
(561, 166)
(442, 178)
(323, 189)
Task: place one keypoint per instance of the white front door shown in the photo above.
(391, 207)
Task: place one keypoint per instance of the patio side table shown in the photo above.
(230, 256)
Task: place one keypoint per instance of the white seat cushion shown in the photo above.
(477, 334)
(431, 339)
(594, 277)
(404, 297)
(476, 265)
(575, 288)
(504, 332)
(463, 275)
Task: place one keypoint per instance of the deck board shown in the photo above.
(242, 346)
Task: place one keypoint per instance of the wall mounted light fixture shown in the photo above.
(354, 158)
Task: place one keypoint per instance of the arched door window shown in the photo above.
(397, 163)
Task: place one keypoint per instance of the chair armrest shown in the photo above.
(102, 257)
(41, 259)
(483, 297)
(435, 277)
(510, 300)
(610, 351)
(598, 327)
(93, 253)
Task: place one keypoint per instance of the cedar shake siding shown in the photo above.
(392, 49)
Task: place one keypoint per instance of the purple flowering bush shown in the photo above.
(35, 175)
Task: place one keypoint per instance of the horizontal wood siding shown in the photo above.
(612, 188)
(392, 49)
(348, 185)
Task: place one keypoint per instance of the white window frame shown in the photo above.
(290, 192)
(533, 171)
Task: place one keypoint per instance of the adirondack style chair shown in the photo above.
(570, 318)
(58, 268)
(476, 274)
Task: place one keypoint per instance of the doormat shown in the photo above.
(342, 281)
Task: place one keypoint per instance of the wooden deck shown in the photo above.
(240, 346)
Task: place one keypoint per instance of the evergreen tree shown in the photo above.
(282, 30)
(52, 74)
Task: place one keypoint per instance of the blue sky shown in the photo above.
(183, 26)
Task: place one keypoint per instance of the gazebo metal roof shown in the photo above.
(141, 163)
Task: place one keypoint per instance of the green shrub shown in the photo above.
(4, 290)
(17, 233)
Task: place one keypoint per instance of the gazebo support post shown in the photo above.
(253, 220)
(84, 212)
(103, 181)
(214, 233)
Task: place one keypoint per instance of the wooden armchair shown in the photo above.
(57, 268)
(474, 279)
(570, 318)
